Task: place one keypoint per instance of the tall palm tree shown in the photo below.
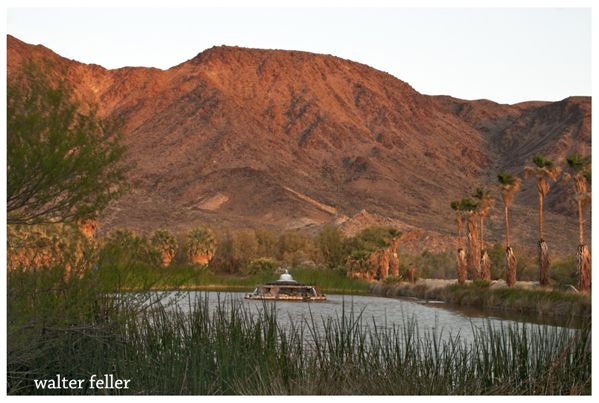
(470, 207)
(508, 185)
(543, 171)
(581, 167)
(460, 253)
(485, 202)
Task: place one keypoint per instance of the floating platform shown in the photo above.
(286, 289)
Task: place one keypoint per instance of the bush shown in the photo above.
(333, 245)
(295, 247)
(262, 265)
(372, 238)
(526, 266)
(123, 247)
(481, 283)
(563, 271)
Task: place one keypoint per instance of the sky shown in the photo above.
(504, 54)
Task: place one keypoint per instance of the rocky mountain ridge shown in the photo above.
(285, 139)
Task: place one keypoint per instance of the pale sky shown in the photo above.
(507, 55)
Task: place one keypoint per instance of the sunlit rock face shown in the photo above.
(284, 139)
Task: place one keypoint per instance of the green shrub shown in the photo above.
(563, 271)
(481, 283)
(262, 265)
(122, 247)
(333, 245)
(372, 238)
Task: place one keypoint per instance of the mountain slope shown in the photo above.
(284, 139)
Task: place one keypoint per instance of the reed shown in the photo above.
(231, 350)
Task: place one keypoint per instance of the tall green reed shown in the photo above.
(232, 349)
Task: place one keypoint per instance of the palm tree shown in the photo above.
(470, 207)
(201, 244)
(166, 244)
(508, 185)
(359, 265)
(460, 253)
(582, 176)
(543, 171)
(485, 203)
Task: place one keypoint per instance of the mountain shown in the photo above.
(285, 139)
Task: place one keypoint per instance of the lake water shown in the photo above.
(445, 320)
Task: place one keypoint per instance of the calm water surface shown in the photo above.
(443, 319)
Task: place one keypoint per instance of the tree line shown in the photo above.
(475, 260)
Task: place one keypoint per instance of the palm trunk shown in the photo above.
(394, 264)
(485, 264)
(541, 215)
(462, 266)
(580, 219)
(473, 251)
(383, 264)
(507, 230)
(543, 264)
(510, 267)
(543, 250)
(482, 242)
(583, 269)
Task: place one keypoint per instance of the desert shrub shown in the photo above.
(224, 258)
(497, 256)
(563, 271)
(295, 247)
(372, 238)
(267, 243)
(481, 283)
(436, 265)
(342, 270)
(262, 265)
(123, 246)
(245, 249)
(393, 280)
(333, 245)
(526, 264)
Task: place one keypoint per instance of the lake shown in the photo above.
(444, 320)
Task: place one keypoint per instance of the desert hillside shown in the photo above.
(282, 139)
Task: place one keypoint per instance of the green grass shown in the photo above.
(329, 280)
(231, 351)
(547, 302)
